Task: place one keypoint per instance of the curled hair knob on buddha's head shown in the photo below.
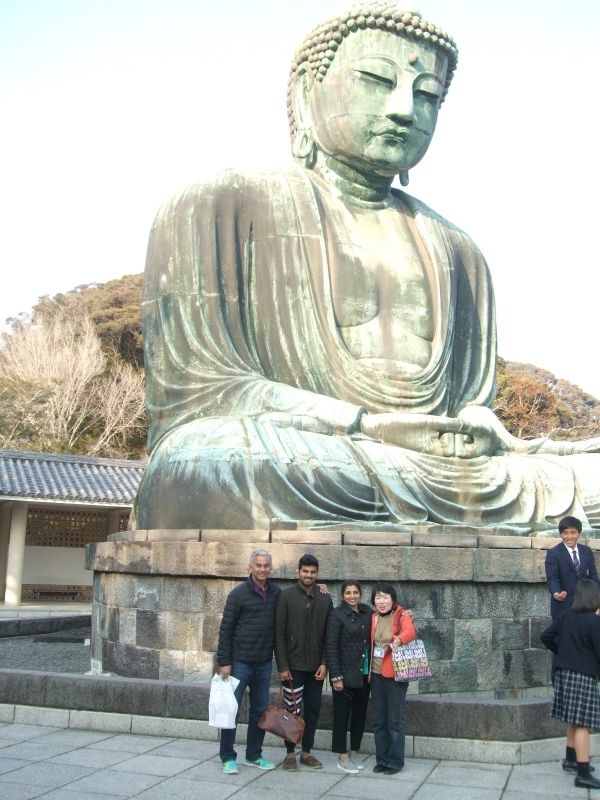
(318, 50)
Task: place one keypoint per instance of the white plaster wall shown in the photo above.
(60, 566)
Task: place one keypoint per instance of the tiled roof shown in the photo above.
(69, 479)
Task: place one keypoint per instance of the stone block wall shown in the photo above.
(479, 600)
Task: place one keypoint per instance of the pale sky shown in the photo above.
(110, 106)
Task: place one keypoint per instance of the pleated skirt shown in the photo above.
(576, 699)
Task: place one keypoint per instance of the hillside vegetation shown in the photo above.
(533, 402)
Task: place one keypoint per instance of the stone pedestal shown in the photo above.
(479, 600)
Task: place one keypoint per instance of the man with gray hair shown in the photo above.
(245, 651)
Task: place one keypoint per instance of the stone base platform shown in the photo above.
(479, 599)
(509, 732)
(32, 626)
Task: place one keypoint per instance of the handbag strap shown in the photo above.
(280, 698)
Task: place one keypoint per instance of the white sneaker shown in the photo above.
(348, 766)
(352, 756)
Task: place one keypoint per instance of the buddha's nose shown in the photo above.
(400, 104)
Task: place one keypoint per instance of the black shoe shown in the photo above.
(571, 766)
(379, 768)
(587, 782)
(390, 771)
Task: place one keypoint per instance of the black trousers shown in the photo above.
(349, 706)
(308, 701)
(388, 720)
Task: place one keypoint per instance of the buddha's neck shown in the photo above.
(352, 183)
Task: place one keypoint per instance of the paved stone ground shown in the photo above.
(65, 764)
(32, 652)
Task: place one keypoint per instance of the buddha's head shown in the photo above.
(366, 86)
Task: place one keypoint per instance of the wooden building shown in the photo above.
(51, 506)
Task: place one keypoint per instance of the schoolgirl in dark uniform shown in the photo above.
(575, 638)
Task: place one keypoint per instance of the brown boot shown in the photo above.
(289, 763)
(310, 761)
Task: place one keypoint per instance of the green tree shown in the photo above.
(114, 310)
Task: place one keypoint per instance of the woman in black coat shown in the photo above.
(575, 638)
(347, 654)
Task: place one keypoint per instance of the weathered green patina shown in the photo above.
(320, 346)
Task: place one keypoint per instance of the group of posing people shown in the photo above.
(310, 638)
(353, 643)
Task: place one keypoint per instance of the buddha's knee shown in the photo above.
(197, 477)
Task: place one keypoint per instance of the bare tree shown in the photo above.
(60, 392)
(119, 404)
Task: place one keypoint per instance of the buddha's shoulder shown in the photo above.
(419, 207)
(230, 185)
(450, 229)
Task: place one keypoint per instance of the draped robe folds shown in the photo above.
(254, 399)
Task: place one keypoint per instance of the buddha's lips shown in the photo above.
(392, 132)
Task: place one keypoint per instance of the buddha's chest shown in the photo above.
(381, 288)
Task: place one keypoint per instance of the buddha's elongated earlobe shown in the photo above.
(304, 147)
(303, 141)
(303, 144)
(404, 178)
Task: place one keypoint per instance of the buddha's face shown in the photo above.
(377, 107)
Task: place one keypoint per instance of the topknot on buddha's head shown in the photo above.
(318, 49)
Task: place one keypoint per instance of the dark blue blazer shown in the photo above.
(575, 640)
(561, 575)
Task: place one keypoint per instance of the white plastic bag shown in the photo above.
(222, 705)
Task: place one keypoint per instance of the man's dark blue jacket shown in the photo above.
(248, 625)
(561, 575)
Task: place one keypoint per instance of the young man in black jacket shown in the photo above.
(245, 650)
(300, 625)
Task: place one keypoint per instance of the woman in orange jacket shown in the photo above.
(390, 627)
